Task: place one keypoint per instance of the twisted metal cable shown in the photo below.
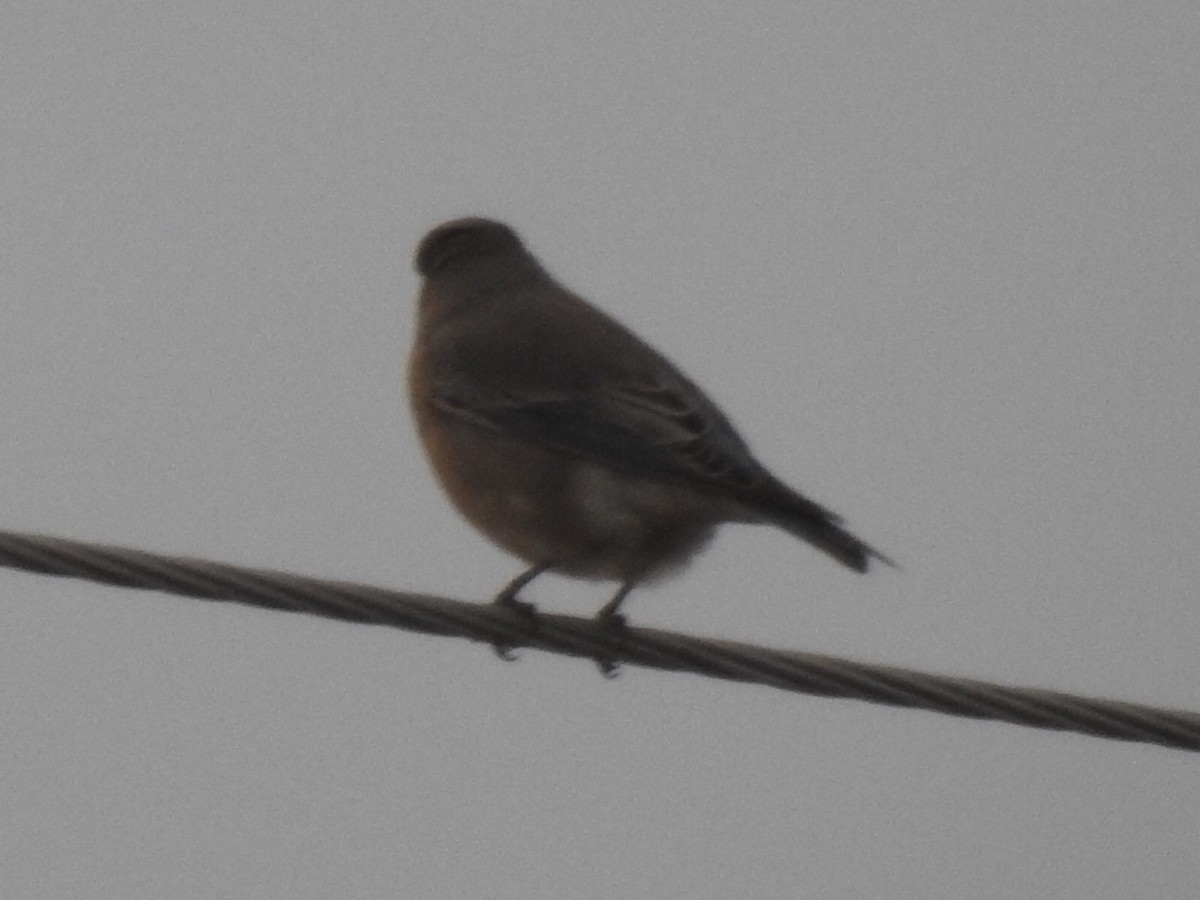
(570, 635)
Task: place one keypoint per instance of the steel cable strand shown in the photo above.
(654, 648)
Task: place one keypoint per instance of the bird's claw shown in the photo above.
(618, 625)
(525, 610)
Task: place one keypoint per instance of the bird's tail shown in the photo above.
(818, 526)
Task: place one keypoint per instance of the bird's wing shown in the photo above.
(644, 424)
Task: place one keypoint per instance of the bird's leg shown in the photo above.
(508, 596)
(608, 617)
(508, 599)
(608, 614)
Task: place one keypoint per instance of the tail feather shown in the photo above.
(818, 526)
(837, 542)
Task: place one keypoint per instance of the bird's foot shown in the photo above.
(527, 611)
(618, 626)
(507, 599)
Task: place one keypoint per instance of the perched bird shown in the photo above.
(568, 440)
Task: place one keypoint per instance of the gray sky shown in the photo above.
(939, 263)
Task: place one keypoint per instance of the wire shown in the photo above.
(504, 627)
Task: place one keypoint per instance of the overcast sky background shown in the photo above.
(938, 261)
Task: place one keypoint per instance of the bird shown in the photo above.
(569, 441)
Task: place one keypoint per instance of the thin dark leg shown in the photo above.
(609, 617)
(508, 596)
(508, 599)
(608, 614)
